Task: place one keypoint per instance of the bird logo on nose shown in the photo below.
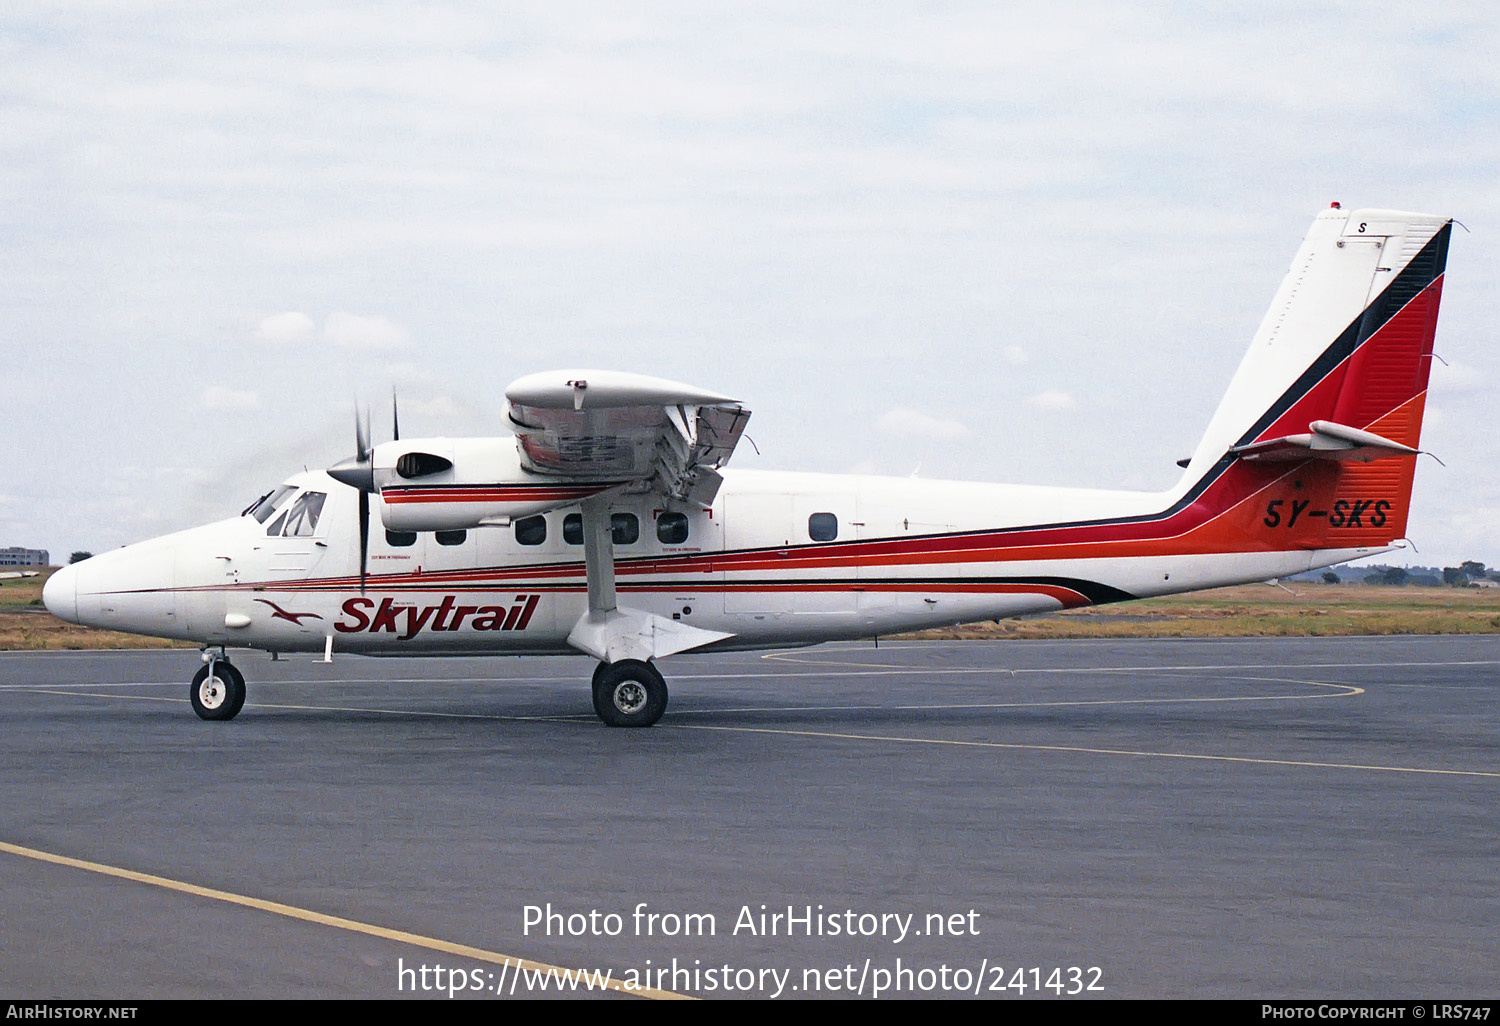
(277, 613)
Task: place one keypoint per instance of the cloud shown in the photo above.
(1456, 377)
(1052, 399)
(410, 374)
(1120, 193)
(903, 421)
(285, 328)
(350, 331)
(437, 406)
(232, 400)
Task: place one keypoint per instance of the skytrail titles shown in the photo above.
(407, 620)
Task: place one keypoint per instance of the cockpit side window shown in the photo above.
(262, 508)
(302, 518)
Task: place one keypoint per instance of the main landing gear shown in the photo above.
(218, 689)
(630, 693)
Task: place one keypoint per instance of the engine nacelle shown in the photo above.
(451, 484)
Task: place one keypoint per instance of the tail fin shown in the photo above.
(1334, 386)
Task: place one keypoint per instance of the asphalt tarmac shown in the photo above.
(1261, 818)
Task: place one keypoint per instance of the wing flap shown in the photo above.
(656, 434)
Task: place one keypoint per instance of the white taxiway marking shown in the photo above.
(1342, 691)
(1337, 691)
(784, 657)
(1333, 690)
(854, 669)
(1137, 753)
(329, 708)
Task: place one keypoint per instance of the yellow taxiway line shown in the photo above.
(510, 962)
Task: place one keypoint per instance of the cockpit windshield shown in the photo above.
(262, 508)
(302, 518)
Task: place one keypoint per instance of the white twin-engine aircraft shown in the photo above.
(607, 524)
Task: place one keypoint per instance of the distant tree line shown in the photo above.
(1467, 574)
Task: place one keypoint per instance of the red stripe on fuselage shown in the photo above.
(508, 493)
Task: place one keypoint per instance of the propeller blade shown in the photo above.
(364, 537)
(359, 471)
(362, 433)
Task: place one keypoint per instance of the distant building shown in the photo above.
(15, 556)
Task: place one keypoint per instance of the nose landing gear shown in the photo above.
(217, 691)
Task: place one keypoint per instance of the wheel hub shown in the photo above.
(630, 696)
(212, 693)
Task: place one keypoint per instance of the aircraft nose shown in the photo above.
(60, 594)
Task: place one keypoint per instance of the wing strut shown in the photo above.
(599, 557)
(608, 632)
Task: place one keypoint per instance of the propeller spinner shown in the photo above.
(358, 472)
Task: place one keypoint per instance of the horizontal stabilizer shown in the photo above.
(1326, 441)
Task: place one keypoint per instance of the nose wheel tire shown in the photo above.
(217, 691)
(629, 693)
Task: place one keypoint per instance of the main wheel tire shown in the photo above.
(217, 691)
(629, 693)
(600, 689)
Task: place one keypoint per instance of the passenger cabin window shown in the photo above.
(302, 518)
(625, 528)
(531, 530)
(822, 527)
(400, 539)
(672, 528)
(451, 537)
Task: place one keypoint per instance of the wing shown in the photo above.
(656, 435)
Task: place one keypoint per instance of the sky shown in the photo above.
(1020, 243)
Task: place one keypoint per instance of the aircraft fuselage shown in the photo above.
(778, 559)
